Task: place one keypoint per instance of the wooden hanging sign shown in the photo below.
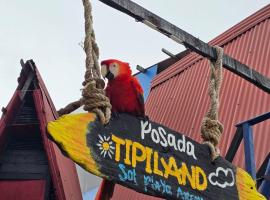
(149, 158)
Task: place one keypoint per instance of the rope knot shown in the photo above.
(93, 95)
(211, 128)
(100, 84)
(94, 100)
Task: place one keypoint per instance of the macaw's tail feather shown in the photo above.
(69, 133)
(107, 186)
(246, 186)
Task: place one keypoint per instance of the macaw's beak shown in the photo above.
(106, 73)
(109, 75)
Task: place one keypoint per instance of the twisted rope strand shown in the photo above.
(69, 108)
(211, 128)
(93, 96)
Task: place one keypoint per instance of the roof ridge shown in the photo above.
(44, 90)
(221, 40)
(242, 26)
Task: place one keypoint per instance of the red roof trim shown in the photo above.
(223, 39)
(49, 150)
(243, 26)
(47, 112)
(8, 115)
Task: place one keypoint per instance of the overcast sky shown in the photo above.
(49, 32)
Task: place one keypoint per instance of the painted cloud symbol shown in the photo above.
(216, 175)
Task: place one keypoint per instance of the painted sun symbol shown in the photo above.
(105, 146)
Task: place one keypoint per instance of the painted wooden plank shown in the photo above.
(266, 182)
(149, 158)
(256, 120)
(261, 171)
(22, 176)
(195, 44)
(237, 139)
(24, 156)
(249, 150)
(23, 168)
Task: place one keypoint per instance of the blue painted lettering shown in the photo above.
(129, 175)
(187, 195)
(156, 185)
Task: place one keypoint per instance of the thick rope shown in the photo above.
(211, 128)
(93, 96)
(69, 108)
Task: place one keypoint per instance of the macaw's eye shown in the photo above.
(114, 65)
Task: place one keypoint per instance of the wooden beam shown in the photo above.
(261, 171)
(255, 120)
(154, 21)
(249, 150)
(266, 183)
(236, 141)
(168, 53)
(27, 84)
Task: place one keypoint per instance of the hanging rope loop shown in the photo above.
(94, 100)
(93, 96)
(211, 128)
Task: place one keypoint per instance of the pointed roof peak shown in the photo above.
(31, 108)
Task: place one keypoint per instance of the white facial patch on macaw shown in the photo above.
(103, 70)
(114, 69)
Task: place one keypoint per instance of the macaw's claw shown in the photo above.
(144, 118)
(115, 115)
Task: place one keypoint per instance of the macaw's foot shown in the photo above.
(144, 118)
(115, 115)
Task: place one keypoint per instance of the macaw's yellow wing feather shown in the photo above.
(69, 132)
(246, 186)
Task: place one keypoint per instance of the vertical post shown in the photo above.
(237, 139)
(249, 150)
(265, 187)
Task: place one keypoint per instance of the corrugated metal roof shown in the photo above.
(183, 106)
(179, 98)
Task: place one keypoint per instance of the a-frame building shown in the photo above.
(31, 166)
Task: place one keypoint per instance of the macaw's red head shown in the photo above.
(112, 69)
